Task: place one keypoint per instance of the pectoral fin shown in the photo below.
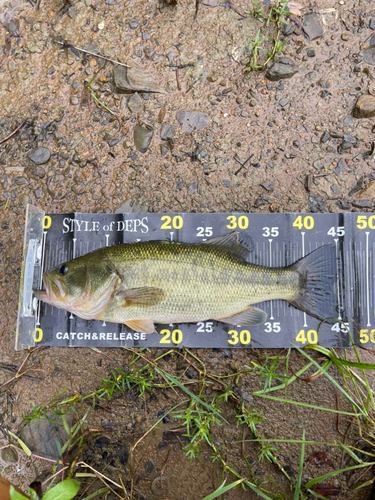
(250, 316)
(141, 325)
(144, 296)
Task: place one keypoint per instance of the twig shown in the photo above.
(69, 45)
(13, 369)
(100, 104)
(8, 44)
(196, 10)
(18, 374)
(242, 164)
(12, 133)
(54, 475)
(232, 7)
(193, 84)
(178, 77)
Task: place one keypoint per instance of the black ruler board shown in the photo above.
(278, 241)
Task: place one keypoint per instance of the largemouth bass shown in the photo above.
(140, 284)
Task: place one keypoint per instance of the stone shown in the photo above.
(344, 205)
(9, 455)
(74, 100)
(164, 149)
(288, 29)
(142, 138)
(192, 120)
(210, 3)
(325, 84)
(133, 25)
(372, 24)
(363, 204)
(123, 456)
(41, 436)
(344, 146)
(149, 466)
(24, 199)
(340, 169)
(284, 102)
(333, 208)
(367, 192)
(311, 53)
(324, 93)
(39, 156)
(167, 131)
(364, 107)
(312, 26)
(325, 137)
(135, 79)
(135, 104)
(268, 186)
(369, 56)
(281, 71)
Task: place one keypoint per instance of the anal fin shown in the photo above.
(141, 325)
(250, 316)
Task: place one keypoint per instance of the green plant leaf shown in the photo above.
(96, 493)
(66, 490)
(21, 443)
(336, 472)
(14, 495)
(348, 397)
(223, 489)
(297, 491)
(290, 401)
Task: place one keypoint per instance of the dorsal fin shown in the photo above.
(240, 244)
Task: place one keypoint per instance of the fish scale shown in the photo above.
(199, 282)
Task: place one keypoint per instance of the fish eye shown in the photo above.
(63, 269)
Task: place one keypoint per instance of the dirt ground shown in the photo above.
(297, 129)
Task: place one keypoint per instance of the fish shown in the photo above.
(146, 283)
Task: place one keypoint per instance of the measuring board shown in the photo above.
(279, 241)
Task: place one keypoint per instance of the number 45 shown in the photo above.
(336, 231)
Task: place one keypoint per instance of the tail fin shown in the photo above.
(318, 283)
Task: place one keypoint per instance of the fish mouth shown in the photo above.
(54, 290)
(56, 283)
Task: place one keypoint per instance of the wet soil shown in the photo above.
(296, 129)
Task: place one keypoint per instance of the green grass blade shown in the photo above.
(306, 405)
(96, 493)
(336, 472)
(190, 394)
(257, 490)
(354, 364)
(286, 383)
(25, 448)
(350, 452)
(223, 489)
(367, 483)
(348, 397)
(297, 491)
(315, 494)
